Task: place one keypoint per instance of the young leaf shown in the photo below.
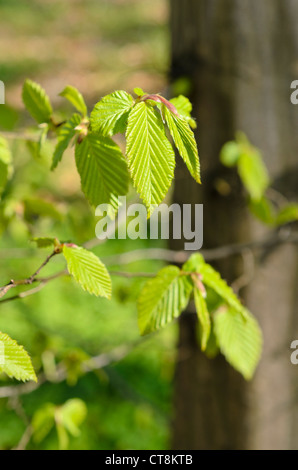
(66, 134)
(185, 142)
(239, 339)
(109, 115)
(151, 158)
(14, 360)
(5, 163)
(211, 278)
(194, 263)
(184, 108)
(162, 299)
(204, 317)
(287, 214)
(263, 210)
(43, 421)
(103, 170)
(42, 139)
(183, 105)
(37, 102)
(75, 98)
(72, 414)
(212, 349)
(253, 173)
(138, 91)
(230, 154)
(88, 271)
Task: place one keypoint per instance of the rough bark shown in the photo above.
(241, 57)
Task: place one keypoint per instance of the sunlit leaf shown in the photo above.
(37, 102)
(103, 170)
(203, 316)
(162, 299)
(185, 142)
(253, 173)
(239, 339)
(151, 158)
(230, 154)
(184, 108)
(14, 360)
(5, 163)
(87, 269)
(75, 98)
(110, 114)
(287, 214)
(65, 136)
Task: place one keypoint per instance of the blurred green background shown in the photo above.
(96, 46)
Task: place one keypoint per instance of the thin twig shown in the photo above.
(129, 275)
(16, 403)
(25, 439)
(178, 257)
(29, 280)
(212, 254)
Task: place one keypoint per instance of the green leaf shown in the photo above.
(162, 299)
(5, 163)
(75, 98)
(67, 417)
(183, 105)
(109, 115)
(184, 108)
(37, 102)
(151, 158)
(194, 263)
(263, 210)
(63, 438)
(138, 91)
(42, 139)
(253, 173)
(44, 242)
(230, 154)
(212, 349)
(239, 339)
(211, 278)
(72, 414)
(103, 170)
(14, 360)
(185, 142)
(204, 317)
(66, 134)
(88, 271)
(43, 421)
(287, 214)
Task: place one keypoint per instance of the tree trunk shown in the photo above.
(241, 57)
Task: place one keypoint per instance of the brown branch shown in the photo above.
(29, 280)
(178, 257)
(43, 282)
